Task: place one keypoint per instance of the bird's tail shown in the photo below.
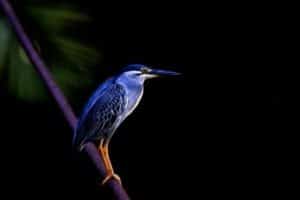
(77, 143)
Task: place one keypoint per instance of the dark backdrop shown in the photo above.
(210, 133)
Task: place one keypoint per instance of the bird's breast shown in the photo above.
(134, 90)
(134, 98)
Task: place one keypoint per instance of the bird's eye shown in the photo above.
(145, 70)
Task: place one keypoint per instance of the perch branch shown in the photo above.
(56, 93)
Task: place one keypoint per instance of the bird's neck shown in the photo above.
(134, 92)
(130, 84)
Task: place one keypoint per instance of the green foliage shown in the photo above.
(75, 53)
(22, 79)
(4, 41)
(56, 18)
(71, 60)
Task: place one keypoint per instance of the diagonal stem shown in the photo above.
(56, 93)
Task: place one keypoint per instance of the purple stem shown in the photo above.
(56, 93)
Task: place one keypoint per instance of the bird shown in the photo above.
(111, 103)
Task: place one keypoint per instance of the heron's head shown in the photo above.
(139, 72)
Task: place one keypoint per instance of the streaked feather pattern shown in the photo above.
(101, 114)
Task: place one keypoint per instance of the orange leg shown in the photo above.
(102, 153)
(103, 148)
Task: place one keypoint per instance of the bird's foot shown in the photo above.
(110, 176)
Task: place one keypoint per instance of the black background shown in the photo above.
(214, 132)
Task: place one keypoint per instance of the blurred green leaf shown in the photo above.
(75, 53)
(74, 81)
(23, 80)
(4, 41)
(56, 18)
(71, 61)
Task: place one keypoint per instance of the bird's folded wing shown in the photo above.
(102, 115)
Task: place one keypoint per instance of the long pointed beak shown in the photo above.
(161, 72)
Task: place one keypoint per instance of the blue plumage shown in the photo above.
(109, 106)
(101, 114)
